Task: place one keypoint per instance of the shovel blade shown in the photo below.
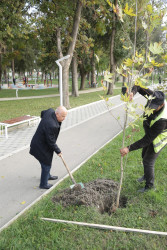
(74, 185)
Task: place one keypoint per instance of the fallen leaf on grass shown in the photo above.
(153, 213)
(128, 136)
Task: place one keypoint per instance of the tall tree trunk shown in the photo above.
(13, 67)
(5, 71)
(5, 75)
(65, 79)
(37, 75)
(88, 76)
(66, 63)
(0, 71)
(13, 70)
(93, 71)
(0, 67)
(74, 76)
(83, 76)
(112, 60)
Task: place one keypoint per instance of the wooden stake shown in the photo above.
(105, 227)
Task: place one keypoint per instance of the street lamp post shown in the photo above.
(60, 78)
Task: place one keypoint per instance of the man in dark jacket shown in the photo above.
(43, 143)
(155, 137)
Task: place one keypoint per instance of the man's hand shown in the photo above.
(124, 151)
(130, 96)
(60, 154)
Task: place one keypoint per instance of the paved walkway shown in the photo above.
(85, 130)
(20, 138)
(46, 96)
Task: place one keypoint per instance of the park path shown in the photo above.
(46, 96)
(84, 132)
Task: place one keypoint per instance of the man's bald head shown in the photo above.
(61, 113)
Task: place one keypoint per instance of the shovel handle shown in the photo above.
(72, 178)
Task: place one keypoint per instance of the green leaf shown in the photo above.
(108, 77)
(129, 11)
(144, 25)
(128, 62)
(138, 83)
(156, 48)
(149, 8)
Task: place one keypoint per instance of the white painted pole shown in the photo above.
(60, 78)
(60, 83)
(6, 132)
(106, 227)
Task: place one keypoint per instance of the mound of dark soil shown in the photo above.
(100, 193)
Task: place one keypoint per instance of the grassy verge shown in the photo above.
(143, 211)
(11, 109)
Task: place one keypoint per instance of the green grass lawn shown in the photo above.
(16, 108)
(7, 93)
(143, 211)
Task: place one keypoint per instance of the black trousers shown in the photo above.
(45, 174)
(149, 157)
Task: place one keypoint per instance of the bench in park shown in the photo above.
(15, 122)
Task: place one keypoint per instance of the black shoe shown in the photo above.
(146, 189)
(141, 179)
(46, 186)
(52, 178)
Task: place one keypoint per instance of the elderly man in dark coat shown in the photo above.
(43, 143)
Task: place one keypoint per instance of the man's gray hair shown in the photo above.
(60, 109)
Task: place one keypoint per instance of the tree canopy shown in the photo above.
(35, 33)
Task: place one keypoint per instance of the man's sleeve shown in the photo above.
(143, 91)
(42, 113)
(152, 133)
(51, 137)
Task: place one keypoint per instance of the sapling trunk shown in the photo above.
(122, 166)
(126, 120)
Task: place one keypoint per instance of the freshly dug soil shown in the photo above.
(100, 193)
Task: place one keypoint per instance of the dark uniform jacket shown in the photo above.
(43, 143)
(151, 132)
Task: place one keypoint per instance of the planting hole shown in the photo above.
(100, 193)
